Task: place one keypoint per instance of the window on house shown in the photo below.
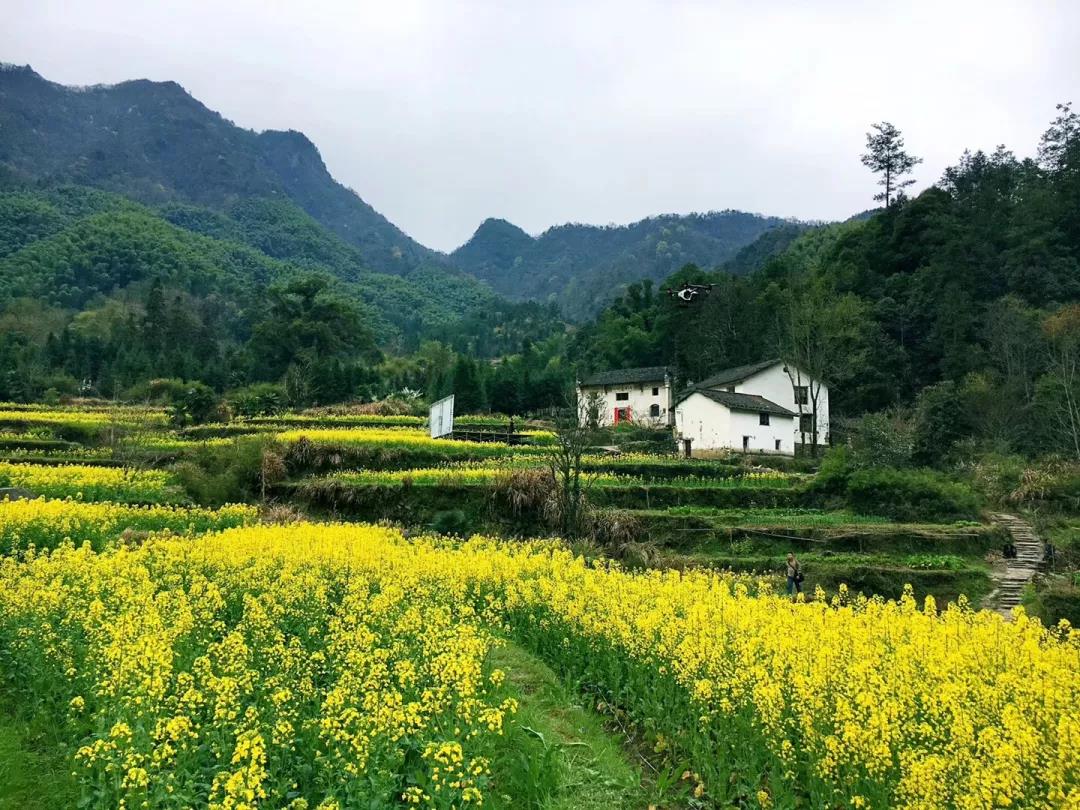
(656, 392)
(806, 423)
(745, 443)
(778, 444)
(763, 419)
(622, 396)
(654, 410)
(802, 395)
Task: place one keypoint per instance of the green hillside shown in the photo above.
(581, 266)
(153, 142)
(95, 287)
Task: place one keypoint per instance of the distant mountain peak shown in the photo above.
(11, 67)
(585, 266)
(496, 226)
(155, 142)
(494, 248)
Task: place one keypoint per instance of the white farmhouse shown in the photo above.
(775, 398)
(714, 420)
(629, 394)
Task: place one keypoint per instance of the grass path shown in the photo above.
(35, 770)
(559, 756)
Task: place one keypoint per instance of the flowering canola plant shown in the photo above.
(85, 418)
(344, 665)
(44, 524)
(405, 438)
(486, 473)
(90, 483)
(199, 674)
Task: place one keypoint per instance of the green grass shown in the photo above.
(35, 770)
(776, 517)
(775, 562)
(558, 756)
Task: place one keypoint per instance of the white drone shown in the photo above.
(689, 293)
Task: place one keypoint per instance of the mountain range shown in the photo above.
(578, 266)
(156, 145)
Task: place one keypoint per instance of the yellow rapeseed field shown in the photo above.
(407, 439)
(43, 524)
(343, 666)
(90, 418)
(89, 482)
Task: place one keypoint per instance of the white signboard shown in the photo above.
(442, 417)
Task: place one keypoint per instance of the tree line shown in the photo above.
(955, 309)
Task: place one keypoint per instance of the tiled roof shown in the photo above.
(736, 374)
(739, 402)
(627, 375)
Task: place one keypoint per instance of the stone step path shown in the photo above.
(1011, 576)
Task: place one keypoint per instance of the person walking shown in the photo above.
(794, 576)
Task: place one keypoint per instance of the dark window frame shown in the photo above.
(622, 396)
(806, 423)
(654, 411)
(802, 395)
(763, 419)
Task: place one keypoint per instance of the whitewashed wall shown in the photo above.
(705, 422)
(640, 400)
(713, 426)
(774, 385)
(763, 438)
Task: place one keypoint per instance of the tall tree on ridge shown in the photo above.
(885, 155)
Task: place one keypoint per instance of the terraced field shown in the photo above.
(189, 656)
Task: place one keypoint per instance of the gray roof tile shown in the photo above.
(739, 402)
(736, 374)
(627, 375)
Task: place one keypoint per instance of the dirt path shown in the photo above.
(1010, 576)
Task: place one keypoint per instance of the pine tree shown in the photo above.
(886, 156)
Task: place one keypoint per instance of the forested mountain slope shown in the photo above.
(153, 142)
(582, 266)
(101, 288)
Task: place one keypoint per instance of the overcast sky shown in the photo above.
(441, 114)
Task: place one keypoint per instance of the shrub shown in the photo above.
(836, 468)
(217, 474)
(524, 491)
(163, 390)
(261, 399)
(1060, 599)
(451, 522)
(644, 437)
(1053, 483)
(884, 440)
(910, 495)
(196, 404)
(997, 476)
(942, 418)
